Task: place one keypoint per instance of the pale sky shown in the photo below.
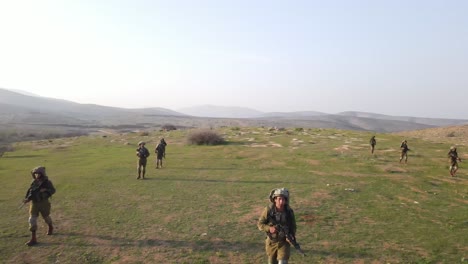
(394, 57)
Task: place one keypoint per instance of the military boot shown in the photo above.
(51, 230)
(33, 240)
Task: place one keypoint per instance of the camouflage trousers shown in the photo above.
(404, 155)
(36, 208)
(141, 166)
(453, 165)
(277, 250)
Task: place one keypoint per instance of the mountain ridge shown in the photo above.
(25, 109)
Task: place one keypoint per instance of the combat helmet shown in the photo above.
(141, 143)
(39, 170)
(453, 148)
(279, 192)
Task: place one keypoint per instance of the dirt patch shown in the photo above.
(253, 215)
(313, 162)
(351, 174)
(309, 220)
(342, 148)
(270, 144)
(389, 150)
(407, 200)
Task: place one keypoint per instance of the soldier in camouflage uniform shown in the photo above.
(404, 151)
(277, 213)
(372, 143)
(453, 157)
(38, 194)
(160, 152)
(142, 154)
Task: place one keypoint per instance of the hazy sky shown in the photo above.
(390, 57)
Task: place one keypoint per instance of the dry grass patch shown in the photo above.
(313, 162)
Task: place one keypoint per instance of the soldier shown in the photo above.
(372, 143)
(160, 152)
(453, 157)
(142, 154)
(39, 192)
(404, 151)
(278, 214)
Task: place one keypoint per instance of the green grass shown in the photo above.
(202, 207)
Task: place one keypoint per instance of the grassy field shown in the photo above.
(202, 207)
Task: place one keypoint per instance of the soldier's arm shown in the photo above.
(263, 224)
(48, 188)
(293, 223)
(27, 197)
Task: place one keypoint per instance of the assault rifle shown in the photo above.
(141, 153)
(21, 205)
(34, 193)
(290, 238)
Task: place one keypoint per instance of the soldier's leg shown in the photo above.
(143, 170)
(284, 251)
(455, 168)
(272, 251)
(406, 157)
(33, 214)
(139, 170)
(45, 213)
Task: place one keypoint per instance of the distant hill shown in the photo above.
(420, 120)
(220, 111)
(293, 114)
(23, 110)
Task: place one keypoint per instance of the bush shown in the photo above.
(169, 127)
(144, 134)
(205, 137)
(451, 134)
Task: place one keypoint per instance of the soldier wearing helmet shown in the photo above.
(160, 151)
(404, 151)
(142, 154)
(278, 214)
(38, 194)
(453, 158)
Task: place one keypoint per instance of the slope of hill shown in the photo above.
(419, 120)
(456, 135)
(293, 114)
(16, 108)
(86, 113)
(220, 111)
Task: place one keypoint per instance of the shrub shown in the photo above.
(169, 127)
(451, 134)
(143, 134)
(205, 137)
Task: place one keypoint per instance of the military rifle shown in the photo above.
(290, 238)
(21, 205)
